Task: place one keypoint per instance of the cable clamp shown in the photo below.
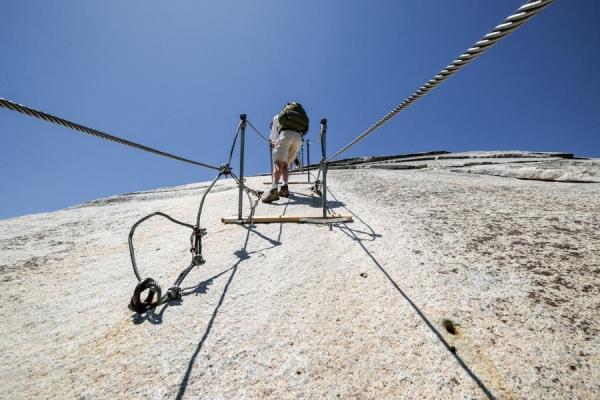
(198, 260)
(174, 293)
(316, 188)
(199, 232)
(225, 169)
(197, 235)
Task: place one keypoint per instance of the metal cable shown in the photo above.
(195, 239)
(181, 277)
(132, 231)
(68, 124)
(257, 132)
(237, 132)
(257, 193)
(518, 18)
(195, 232)
(204, 197)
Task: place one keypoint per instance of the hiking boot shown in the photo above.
(284, 191)
(271, 196)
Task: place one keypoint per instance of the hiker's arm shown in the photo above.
(274, 130)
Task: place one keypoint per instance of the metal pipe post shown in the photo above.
(241, 191)
(324, 164)
(301, 155)
(271, 158)
(308, 159)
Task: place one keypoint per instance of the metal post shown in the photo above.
(301, 155)
(241, 191)
(308, 159)
(324, 164)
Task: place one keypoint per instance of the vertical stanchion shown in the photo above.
(301, 155)
(324, 164)
(271, 158)
(308, 159)
(271, 150)
(241, 191)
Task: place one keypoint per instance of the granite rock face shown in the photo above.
(455, 280)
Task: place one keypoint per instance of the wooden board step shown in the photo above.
(293, 183)
(299, 219)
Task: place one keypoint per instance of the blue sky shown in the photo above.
(176, 76)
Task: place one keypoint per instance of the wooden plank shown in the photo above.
(289, 219)
(330, 220)
(293, 183)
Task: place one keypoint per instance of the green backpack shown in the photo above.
(293, 118)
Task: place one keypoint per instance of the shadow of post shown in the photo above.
(186, 376)
(242, 255)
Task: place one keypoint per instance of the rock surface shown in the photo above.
(451, 283)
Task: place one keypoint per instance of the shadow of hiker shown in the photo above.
(307, 200)
(312, 201)
(350, 233)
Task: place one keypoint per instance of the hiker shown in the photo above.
(287, 130)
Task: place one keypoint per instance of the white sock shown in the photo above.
(285, 182)
(274, 185)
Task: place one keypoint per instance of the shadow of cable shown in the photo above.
(252, 228)
(157, 318)
(202, 287)
(186, 376)
(242, 255)
(281, 225)
(350, 233)
(372, 234)
(150, 316)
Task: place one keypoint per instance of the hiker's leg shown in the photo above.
(284, 172)
(276, 174)
(295, 141)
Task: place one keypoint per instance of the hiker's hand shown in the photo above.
(272, 144)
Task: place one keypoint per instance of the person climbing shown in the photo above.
(287, 129)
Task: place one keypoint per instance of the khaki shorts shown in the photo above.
(287, 146)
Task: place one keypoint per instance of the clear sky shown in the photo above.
(176, 75)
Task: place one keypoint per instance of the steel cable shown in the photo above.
(174, 293)
(257, 193)
(204, 197)
(263, 137)
(72, 125)
(518, 18)
(196, 249)
(237, 132)
(132, 231)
